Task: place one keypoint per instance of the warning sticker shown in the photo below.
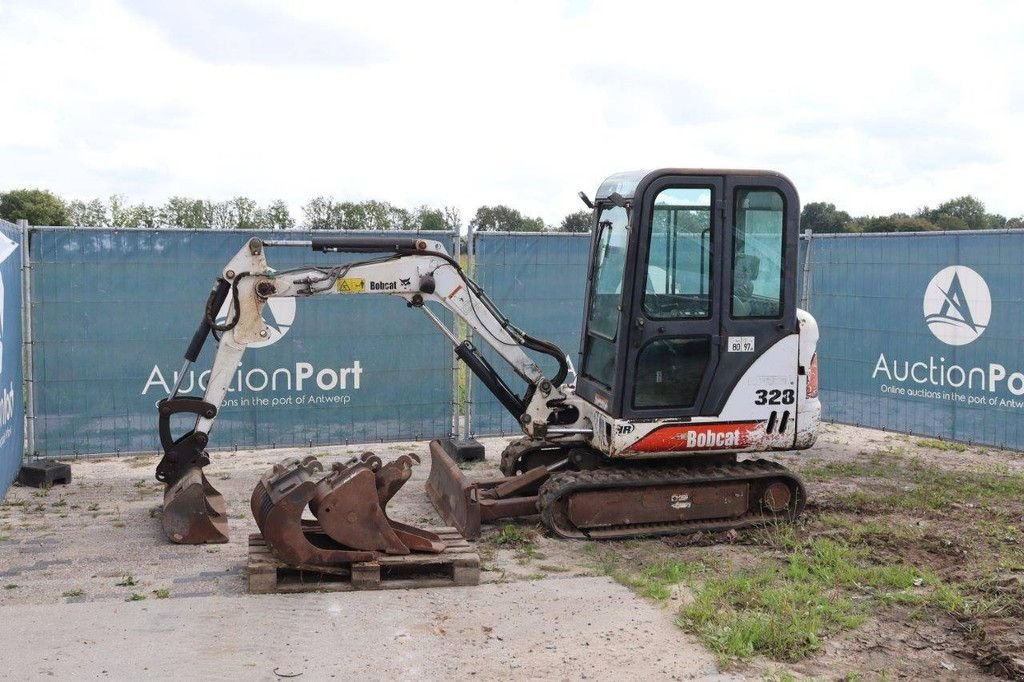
(351, 285)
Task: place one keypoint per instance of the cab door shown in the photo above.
(675, 312)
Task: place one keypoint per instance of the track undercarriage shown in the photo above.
(580, 494)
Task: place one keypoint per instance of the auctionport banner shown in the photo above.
(113, 311)
(12, 412)
(923, 333)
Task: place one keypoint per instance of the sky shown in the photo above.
(875, 106)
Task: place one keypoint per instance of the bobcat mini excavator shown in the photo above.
(693, 352)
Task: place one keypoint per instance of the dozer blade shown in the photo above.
(347, 506)
(277, 505)
(466, 504)
(194, 512)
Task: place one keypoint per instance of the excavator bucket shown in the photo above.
(277, 505)
(194, 512)
(350, 505)
(351, 524)
(346, 505)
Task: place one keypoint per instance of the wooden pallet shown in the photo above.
(458, 564)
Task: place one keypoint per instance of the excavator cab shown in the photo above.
(692, 278)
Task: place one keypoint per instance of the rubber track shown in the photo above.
(552, 499)
(515, 451)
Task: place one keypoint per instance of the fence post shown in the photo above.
(467, 412)
(26, 335)
(456, 421)
(805, 298)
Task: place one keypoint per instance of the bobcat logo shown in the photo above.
(405, 282)
(957, 305)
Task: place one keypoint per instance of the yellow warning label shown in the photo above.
(351, 285)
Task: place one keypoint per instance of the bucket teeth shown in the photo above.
(349, 505)
(194, 512)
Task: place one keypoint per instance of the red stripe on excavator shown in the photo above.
(455, 291)
(730, 436)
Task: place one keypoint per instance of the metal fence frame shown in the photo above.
(464, 416)
(31, 414)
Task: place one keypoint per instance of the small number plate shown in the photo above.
(740, 344)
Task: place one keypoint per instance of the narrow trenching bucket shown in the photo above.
(194, 512)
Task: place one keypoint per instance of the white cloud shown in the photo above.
(877, 107)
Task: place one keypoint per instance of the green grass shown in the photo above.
(945, 445)
(784, 611)
(94, 506)
(77, 592)
(135, 597)
(162, 593)
(512, 536)
(127, 581)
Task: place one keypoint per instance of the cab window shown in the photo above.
(606, 294)
(678, 283)
(757, 254)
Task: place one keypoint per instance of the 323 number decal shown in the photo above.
(775, 397)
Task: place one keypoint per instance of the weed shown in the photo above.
(162, 593)
(128, 580)
(94, 506)
(42, 492)
(118, 523)
(512, 536)
(4, 538)
(77, 592)
(536, 576)
(944, 445)
(10, 586)
(554, 568)
(60, 503)
(156, 512)
(141, 483)
(135, 597)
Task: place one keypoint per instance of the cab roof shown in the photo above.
(627, 182)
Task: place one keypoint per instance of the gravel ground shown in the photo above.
(71, 557)
(67, 553)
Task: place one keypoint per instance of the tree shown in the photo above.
(37, 206)
(962, 213)
(277, 217)
(429, 219)
(452, 218)
(577, 222)
(88, 214)
(504, 219)
(184, 212)
(321, 213)
(822, 217)
(1015, 223)
(245, 214)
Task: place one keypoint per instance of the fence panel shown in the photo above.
(12, 404)
(921, 333)
(539, 281)
(113, 311)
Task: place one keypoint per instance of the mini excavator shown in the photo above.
(694, 355)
